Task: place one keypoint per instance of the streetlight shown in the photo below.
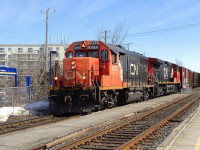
(51, 70)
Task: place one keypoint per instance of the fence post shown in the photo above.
(12, 99)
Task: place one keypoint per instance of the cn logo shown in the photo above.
(133, 69)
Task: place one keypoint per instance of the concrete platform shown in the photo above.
(29, 138)
(186, 136)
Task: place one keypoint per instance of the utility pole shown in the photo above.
(46, 39)
(46, 46)
(105, 35)
(127, 44)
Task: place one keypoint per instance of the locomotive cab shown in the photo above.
(91, 63)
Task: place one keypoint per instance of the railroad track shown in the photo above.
(141, 132)
(29, 123)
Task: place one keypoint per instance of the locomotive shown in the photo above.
(98, 75)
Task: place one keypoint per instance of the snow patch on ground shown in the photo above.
(5, 112)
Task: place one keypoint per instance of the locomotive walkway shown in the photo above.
(31, 138)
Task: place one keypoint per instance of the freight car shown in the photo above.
(97, 75)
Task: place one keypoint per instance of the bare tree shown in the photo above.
(115, 36)
(179, 62)
(34, 68)
(119, 33)
(99, 33)
(7, 81)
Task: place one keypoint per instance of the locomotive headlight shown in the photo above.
(55, 78)
(73, 67)
(83, 77)
(73, 62)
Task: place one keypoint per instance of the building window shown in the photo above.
(30, 57)
(30, 50)
(2, 57)
(9, 57)
(57, 48)
(9, 63)
(50, 48)
(9, 49)
(2, 63)
(2, 50)
(20, 50)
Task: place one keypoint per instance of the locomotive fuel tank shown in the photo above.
(170, 89)
(133, 96)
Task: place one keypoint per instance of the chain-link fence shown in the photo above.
(19, 96)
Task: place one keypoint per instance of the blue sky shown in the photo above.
(21, 22)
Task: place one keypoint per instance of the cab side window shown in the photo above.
(104, 55)
(114, 58)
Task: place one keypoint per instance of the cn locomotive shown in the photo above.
(98, 75)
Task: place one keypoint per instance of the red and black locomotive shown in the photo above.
(98, 75)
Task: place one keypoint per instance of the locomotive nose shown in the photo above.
(80, 71)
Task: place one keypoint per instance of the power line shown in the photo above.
(19, 36)
(162, 30)
(69, 17)
(127, 44)
(169, 43)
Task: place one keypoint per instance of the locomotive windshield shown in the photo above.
(93, 54)
(80, 54)
(69, 55)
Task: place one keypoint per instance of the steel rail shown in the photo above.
(30, 123)
(148, 132)
(17, 123)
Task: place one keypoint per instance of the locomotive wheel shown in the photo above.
(146, 95)
(111, 103)
(176, 89)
